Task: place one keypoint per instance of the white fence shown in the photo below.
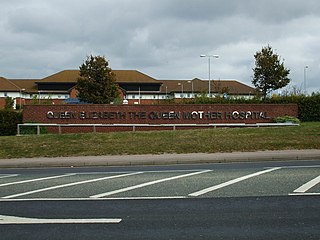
(134, 126)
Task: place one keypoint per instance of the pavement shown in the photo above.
(161, 159)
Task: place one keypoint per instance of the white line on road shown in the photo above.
(36, 179)
(11, 175)
(308, 185)
(89, 199)
(304, 194)
(310, 166)
(23, 220)
(225, 184)
(70, 184)
(146, 184)
(147, 171)
(144, 198)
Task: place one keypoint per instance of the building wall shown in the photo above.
(2, 103)
(26, 98)
(155, 114)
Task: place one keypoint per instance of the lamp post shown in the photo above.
(305, 79)
(21, 90)
(180, 84)
(191, 87)
(139, 95)
(209, 66)
(166, 92)
(39, 96)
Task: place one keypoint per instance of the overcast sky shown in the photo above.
(162, 38)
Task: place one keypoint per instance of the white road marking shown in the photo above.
(11, 175)
(308, 185)
(304, 194)
(146, 184)
(36, 179)
(151, 171)
(69, 184)
(143, 198)
(89, 199)
(310, 166)
(23, 220)
(228, 183)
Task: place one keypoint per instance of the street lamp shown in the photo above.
(39, 96)
(209, 66)
(191, 87)
(180, 84)
(21, 90)
(305, 79)
(166, 92)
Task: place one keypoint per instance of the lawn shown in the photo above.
(305, 136)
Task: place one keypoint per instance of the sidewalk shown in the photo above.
(131, 160)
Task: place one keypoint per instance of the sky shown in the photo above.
(163, 39)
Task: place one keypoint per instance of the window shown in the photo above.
(133, 96)
(5, 94)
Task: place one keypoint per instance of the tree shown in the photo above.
(97, 83)
(9, 102)
(269, 73)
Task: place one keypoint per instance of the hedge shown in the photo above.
(8, 122)
(309, 106)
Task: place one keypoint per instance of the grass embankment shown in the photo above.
(306, 136)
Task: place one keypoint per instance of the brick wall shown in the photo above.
(2, 103)
(155, 114)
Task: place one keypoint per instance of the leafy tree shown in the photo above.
(269, 73)
(97, 83)
(9, 102)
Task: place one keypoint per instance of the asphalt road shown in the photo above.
(267, 200)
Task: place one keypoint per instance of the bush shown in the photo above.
(287, 119)
(9, 121)
(309, 106)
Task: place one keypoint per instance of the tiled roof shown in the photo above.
(29, 85)
(217, 86)
(7, 85)
(132, 76)
(122, 76)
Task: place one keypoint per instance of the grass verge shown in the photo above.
(306, 136)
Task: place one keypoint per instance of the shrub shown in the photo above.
(309, 106)
(9, 121)
(286, 119)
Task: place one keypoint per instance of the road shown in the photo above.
(266, 200)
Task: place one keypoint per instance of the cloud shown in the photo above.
(161, 38)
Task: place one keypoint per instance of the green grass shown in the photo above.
(306, 136)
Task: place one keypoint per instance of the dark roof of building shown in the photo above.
(132, 76)
(122, 76)
(26, 85)
(197, 85)
(7, 85)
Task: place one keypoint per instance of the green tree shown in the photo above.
(9, 102)
(97, 83)
(269, 73)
